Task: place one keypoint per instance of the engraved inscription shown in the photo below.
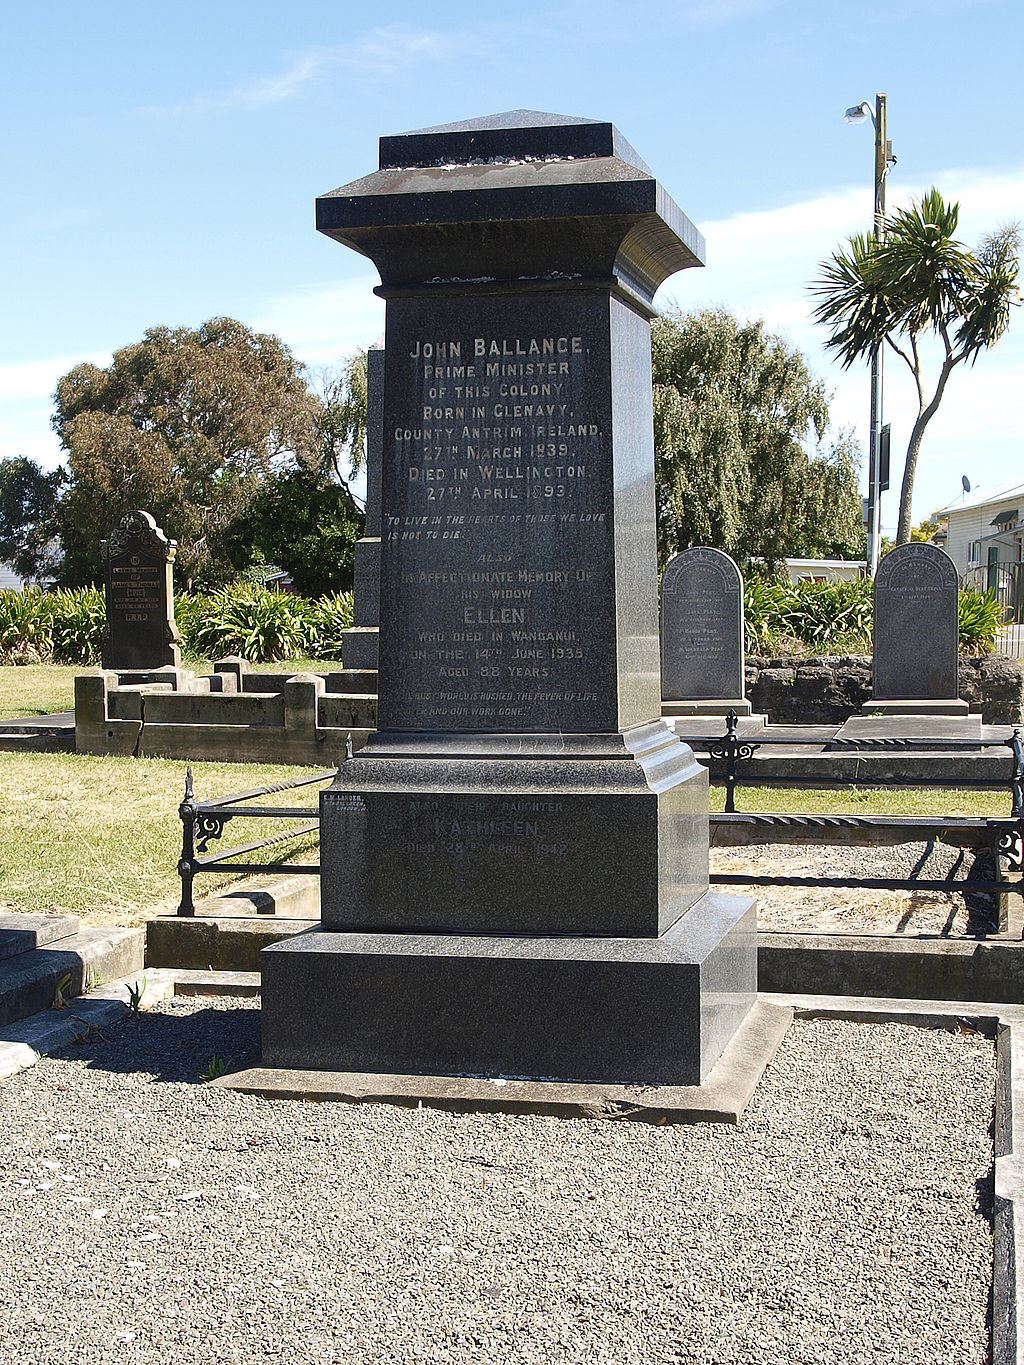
(494, 524)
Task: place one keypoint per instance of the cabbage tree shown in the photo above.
(914, 283)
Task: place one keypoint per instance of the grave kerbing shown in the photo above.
(140, 634)
(514, 868)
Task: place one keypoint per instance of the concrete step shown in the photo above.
(22, 933)
(23, 1043)
(29, 981)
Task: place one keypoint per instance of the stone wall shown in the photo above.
(827, 690)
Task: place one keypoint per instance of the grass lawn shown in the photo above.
(36, 689)
(100, 836)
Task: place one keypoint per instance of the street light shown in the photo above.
(884, 158)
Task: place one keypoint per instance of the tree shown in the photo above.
(733, 409)
(28, 527)
(303, 522)
(918, 282)
(185, 424)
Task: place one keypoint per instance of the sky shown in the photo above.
(160, 164)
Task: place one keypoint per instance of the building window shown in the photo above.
(974, 552)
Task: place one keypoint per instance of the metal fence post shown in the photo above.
(186, 863)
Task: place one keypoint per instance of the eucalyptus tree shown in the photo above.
(739, 431)
(188, 424)
(914, 284)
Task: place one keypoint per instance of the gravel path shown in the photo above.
(851, 910)
(147, 1218)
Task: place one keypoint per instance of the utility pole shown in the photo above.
(883, 160)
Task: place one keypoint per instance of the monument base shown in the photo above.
(709, 706)
(657, 1011)
(720, 1098)
(950, 706)
(491, 834)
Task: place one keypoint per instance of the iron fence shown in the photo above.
(203, 821)
(1005, 579)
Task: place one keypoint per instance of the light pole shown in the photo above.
(883, 160)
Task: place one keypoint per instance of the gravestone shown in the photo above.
(514, 868)
(702, 635)
(140, 634)
(915, 635)
(360, 642)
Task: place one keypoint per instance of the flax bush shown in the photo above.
(261, 625)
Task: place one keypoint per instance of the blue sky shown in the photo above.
(161, 163)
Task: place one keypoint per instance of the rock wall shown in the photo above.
(827, 690)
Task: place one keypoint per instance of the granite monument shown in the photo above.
(702, 635)
(360, 642)
(915, 636)
(140, 634)
(514, 868)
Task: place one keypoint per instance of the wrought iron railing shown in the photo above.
(202, 821)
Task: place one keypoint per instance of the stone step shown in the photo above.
(95, 954)
(23, 933)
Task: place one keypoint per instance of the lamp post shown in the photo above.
(883, 160)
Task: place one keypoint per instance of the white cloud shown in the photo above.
(378, 54)
(323, 323)
(38, 378)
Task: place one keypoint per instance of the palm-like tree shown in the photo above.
(918, 280)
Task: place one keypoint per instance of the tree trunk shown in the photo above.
(910, 468)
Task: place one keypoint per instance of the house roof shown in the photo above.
(985, 497)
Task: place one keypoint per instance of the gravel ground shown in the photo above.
(147, 1218)
(829, 909)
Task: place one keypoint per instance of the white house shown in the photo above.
(9, 579)
(986, 529)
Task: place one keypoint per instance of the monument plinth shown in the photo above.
(514, 868)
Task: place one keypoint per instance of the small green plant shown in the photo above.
(64, 984)
(136, 991)
(215, 1067)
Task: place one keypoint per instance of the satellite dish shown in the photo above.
(966, 483)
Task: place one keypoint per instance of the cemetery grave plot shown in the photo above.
(147, 1217)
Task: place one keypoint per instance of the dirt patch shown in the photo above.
(955, 913)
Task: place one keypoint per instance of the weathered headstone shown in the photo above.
(915, 636)
(360, 643)
(140, 633)
(702, 635)
(514, 868)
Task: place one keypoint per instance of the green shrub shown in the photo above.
(260, 625)
(78, 618)
(327, 618)
(981, 615)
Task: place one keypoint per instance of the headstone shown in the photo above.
(702, 634)
(514, 869)
(360, 643)
(915, 636)
(140, 633)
